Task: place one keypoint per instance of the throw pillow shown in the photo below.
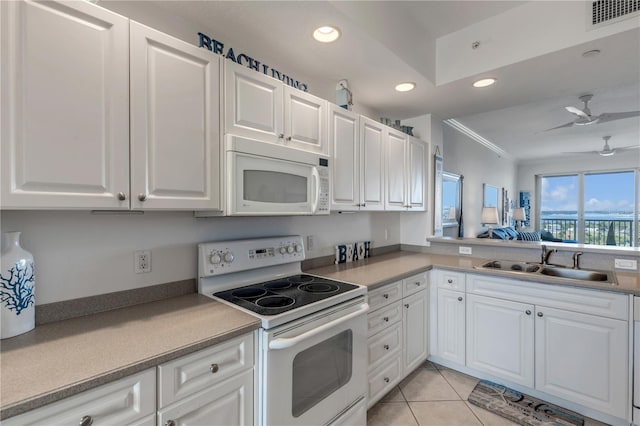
(529, 236)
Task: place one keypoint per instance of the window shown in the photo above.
(450, 199)
(591, 208)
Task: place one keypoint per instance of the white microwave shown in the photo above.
(268, 179)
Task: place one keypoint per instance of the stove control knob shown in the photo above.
(228, 257)
(283, 250)
(298, 248)
(290, 249)
(215, 258)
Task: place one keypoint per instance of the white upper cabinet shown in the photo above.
(344, 147)
(253, 104)
(305, 125)
(396, 173)
(65, 106)
(372, 143)
(175, 123)
(263, 108)
(417, 167)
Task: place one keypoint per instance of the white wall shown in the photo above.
(527, 171)
(478, 165)
(80, 254)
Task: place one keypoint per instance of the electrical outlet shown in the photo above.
(629, 264)
(464, 250)
(309, 242)
(142, 261)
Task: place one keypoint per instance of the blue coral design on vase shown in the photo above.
(17, 288)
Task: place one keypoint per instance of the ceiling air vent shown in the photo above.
(609, 11)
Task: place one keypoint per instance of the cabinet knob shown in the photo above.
(450, 281)
(170, 423)
(386, 319)
(86, 421)
(386, 296)
(386, 379)
(142, 197)
(281, 136)
(528, 312)
(214, 368)
(406, 305)
(459, 298)
(122, 196)
(540, 314)
(386, 347)
(418, 283)
(288, 138)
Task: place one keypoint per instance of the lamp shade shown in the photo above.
(518, 214)
(490, 215)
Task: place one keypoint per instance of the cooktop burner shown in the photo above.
(284, 294)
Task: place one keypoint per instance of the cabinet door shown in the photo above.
(451, 325)
(65, 106)
(229, 403)
(415, 331)
(305, 124)
(500, 338)
(344, 151)
(417, 165)
(253, 104)
(396, 173)
(371, 164)
(175, 124)
(583, 358)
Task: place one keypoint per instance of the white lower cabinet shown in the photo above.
(500, 338)
(451, 325)
(128, 401)
(398, 333)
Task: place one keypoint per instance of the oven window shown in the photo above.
(321, 370)
(274, 187)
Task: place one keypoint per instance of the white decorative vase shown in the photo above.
(17, 288)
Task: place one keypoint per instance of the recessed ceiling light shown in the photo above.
(326, 34)
(405, 87)
(484, 82)
(591, 53)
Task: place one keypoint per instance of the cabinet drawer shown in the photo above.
(414, 284)
(594, 302)
(184, 376)
(123, 402)
(451, 280)
(384, 295)
(384, 317)
(384, 345)
(384, 379)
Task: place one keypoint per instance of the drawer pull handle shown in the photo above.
(386, 347)
(170, 423)
(460, 299)
(386, 296)
(386, 379)
(418, 283)
(406, 305)
(86, 421)
(214, 368)
(386, 319)
(540, 314)
(450, 281)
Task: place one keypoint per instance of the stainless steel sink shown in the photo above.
(509, 265)
(578, 274)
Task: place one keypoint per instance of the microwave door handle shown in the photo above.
(288, 342)
(316, 189)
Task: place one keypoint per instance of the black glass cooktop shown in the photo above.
(284, 294)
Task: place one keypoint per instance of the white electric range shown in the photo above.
(313, 339)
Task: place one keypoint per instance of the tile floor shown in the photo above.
(432, 395)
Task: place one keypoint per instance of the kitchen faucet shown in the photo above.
(546, 254)
(576, 259)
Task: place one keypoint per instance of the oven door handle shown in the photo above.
(287, 342)
(316, 189)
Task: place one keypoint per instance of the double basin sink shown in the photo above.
(551, 270)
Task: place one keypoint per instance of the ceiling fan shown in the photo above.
(584, 116)
(607, 151)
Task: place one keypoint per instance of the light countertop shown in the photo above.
(63, 358)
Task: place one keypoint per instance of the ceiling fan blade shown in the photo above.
(628, 147)
(581, 152)
(611, 116)
(577, 111)
(569, 124)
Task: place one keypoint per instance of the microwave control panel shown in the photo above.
(323, 197)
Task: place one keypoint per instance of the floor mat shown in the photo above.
(522, 408)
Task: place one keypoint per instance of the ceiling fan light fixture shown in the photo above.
(591, 53)
(484, 82)
(406, 86)
(326, 34)
(607, 153)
